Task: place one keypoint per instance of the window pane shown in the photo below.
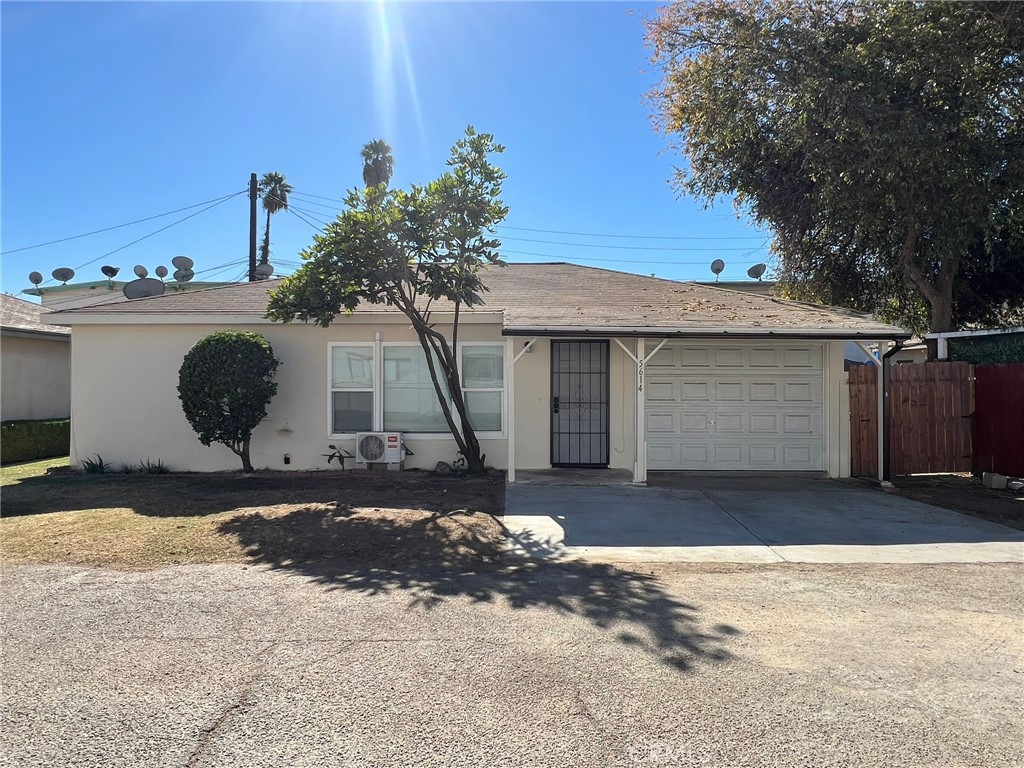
(352, 367)
(410, 402)
(353, 411)
(484, 411)
(483, 366)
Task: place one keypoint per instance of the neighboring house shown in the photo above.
(563, 366)
(35, 364)
(71, 295)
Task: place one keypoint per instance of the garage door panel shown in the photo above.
(737, 407)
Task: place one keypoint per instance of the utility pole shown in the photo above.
(253, 199)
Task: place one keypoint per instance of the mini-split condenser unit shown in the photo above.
(379, 448)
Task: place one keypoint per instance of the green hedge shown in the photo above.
(997, 348)
(29, 440)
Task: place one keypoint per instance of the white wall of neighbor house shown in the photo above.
(125, 402)
(35, 377)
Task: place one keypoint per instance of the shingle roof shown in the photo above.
(19, 315)
(537, 297)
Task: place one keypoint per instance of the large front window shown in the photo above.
(399, 396)
(410, 400)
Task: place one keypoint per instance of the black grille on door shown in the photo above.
(579, 403)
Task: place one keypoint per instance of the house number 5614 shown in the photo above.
(640, 376)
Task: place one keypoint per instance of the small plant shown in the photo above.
(153, 467)
(128, 469)
(95, 466)
(337, 453)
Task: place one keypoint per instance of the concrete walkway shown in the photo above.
(746, 520)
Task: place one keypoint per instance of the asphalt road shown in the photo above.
(551, 665)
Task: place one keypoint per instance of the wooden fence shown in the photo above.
(999, 419)
(931, 413)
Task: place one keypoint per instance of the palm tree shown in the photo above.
(275, 190)
(378, 163)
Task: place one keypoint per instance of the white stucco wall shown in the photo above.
(533, 405)
(35, 377)
(125, 402)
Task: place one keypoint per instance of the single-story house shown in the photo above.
(563, 366)
(35, 364)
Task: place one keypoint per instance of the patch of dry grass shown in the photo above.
(144, 521)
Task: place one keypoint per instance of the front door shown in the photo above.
(579, 403)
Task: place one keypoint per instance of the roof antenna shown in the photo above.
(717, 266)
(756, 271)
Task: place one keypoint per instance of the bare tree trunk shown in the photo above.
(243, 454)
(938, 294)
(436, 348)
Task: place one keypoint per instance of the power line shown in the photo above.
(119, 226)
(623, 247)
(628, 237)
(557, 257)
(158, 231)
(319, 197)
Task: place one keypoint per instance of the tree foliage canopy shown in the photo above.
(882, 143)
(414, 249)
(225, 384)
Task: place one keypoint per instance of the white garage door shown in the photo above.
(742, 406)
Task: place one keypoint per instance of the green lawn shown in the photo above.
(15, 473)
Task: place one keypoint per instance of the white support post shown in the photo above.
(640, 465)
(640, 426)
(510, 408)
(880, 415)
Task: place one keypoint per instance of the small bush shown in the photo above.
(96, 466)
(31, 440)
(153, 467)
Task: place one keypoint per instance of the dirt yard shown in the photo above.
(147, 521)
(965, 493)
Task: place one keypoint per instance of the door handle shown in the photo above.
(555, 404)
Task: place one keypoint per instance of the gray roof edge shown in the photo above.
(732, 333)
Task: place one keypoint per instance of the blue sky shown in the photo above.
(115, 112)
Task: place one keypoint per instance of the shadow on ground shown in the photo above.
(455, 562)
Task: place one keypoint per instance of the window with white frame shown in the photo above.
(351, 388)
(410, 402)
(483, 385)
(400, 396)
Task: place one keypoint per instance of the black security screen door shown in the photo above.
(579, 403)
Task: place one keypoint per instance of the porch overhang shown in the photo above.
(702, 333)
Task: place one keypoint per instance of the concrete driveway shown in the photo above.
(746, 520)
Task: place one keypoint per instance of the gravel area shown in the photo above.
(542, 664)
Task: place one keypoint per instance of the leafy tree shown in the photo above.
(882, 142)
(421, 250)
(274, 190)
(225, 385)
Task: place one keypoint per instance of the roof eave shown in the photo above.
(706, 333)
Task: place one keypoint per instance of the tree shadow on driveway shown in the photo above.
(453, 560)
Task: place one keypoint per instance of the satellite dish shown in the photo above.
(110, 272)
(182, 262)
(141, 271)
(756, 271)
(35, 278)
(161, 271)
(184, 275)
(264, 270)
(717, 266)
(142, 288)
(63, 274)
